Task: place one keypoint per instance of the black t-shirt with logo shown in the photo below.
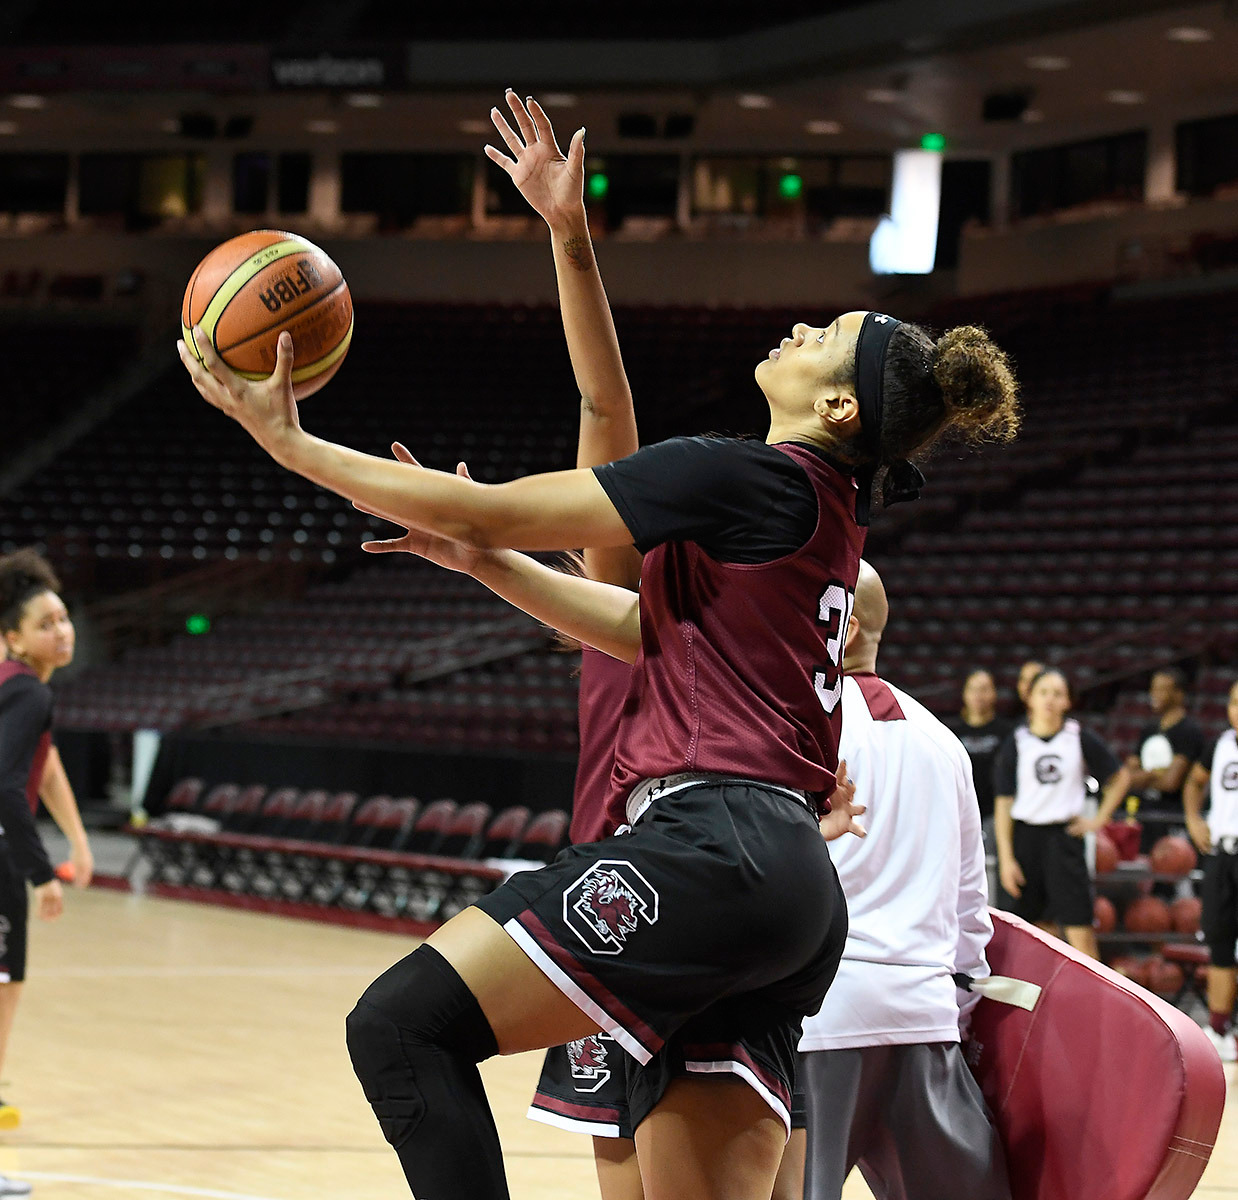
(1158, 747)
(982, 743)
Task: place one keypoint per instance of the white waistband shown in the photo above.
(649, 790)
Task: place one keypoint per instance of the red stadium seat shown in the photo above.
(545, 836)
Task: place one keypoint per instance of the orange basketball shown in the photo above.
(1106, 854)
(1104, 915)
(1187, 911)
(1173, 856)
(251, 288)
(1148, 914)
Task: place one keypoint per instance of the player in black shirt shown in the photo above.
(982, 732)
(1168, 746)
(38, 638)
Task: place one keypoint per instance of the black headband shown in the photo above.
(904, 480)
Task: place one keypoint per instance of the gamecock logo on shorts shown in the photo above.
(1048, 769)
(588, 1058)
(607, 903)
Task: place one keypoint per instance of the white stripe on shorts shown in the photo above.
(573, 991)
(572, 1125)
(729, 1066)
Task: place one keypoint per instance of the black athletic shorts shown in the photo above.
(14, 914)
(583, 1088)
(1219, 895)
(1057, 886)
(698, 940)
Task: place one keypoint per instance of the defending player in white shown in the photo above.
(881, 1064)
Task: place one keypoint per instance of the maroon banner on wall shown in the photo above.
(134, 68)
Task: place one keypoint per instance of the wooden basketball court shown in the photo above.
(169, 1049)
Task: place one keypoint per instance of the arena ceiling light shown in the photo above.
(28, 101)
(363, 100)
(557, 100)
(823, 128)
(1125, 96)
(1189, 33)
(7, 128)
(1048, 62)
(880, 95)
(754, 100)
(1032, 116)
(474, 125)
(322, 125)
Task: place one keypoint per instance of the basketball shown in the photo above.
(1148, 914)
(1133, 968)
(1173, 856)
(1106, 854)
(1164, 978)
(1186, 913)
(251, 288)
(1104, 915)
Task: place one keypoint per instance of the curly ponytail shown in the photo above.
(24, 574)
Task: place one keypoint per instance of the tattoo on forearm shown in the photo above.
(579, 253)
(586, 405)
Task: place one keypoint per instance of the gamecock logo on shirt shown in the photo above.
(1229, 777)
(1048, 769)
(588, 1058)
(608, 903)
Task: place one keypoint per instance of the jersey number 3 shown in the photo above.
(834, 613)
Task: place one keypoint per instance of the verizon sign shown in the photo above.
(330, 71)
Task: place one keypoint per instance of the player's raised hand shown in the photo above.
(264, 407)
(439, 550)
(552, 182)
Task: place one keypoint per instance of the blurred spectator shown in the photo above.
(1168, 745)
(981, 731)
(1027, 673)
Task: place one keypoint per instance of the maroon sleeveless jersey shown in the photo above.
(739, 668)
(603, 686)
(8, 669)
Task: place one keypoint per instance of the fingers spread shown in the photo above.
(527, 128)
(514, 144)
(545, 131)
(501, 159)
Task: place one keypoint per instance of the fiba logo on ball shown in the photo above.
(1048, 769)
(608, 903)
(588, 1058)
(1229, 777)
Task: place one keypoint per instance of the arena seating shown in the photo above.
(388, 857)
(1088, 541)
(43, 383)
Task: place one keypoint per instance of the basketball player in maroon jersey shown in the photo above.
(701, 938)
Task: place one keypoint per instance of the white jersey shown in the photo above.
(1223, 811)
(1049, 776)
(916, 890)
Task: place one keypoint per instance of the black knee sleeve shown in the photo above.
(407, 1019)
(415, 1039)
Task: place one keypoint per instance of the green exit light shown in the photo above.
(197, 623)
(791, 186)
(933, 141)
(598, 186)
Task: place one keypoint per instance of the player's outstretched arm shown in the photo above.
(56, 792)
(556, 511)
(599, 614)
(553, 184)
